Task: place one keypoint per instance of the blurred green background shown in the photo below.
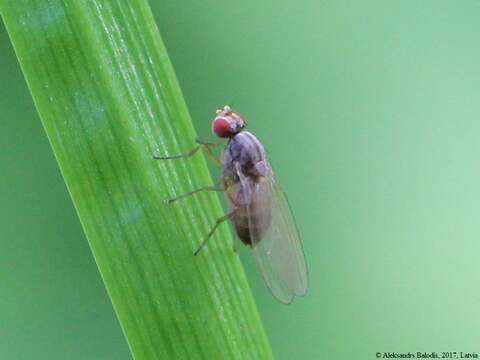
(370, 113)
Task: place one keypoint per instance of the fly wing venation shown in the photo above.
(276, 243)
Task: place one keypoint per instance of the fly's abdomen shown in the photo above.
(251, 222)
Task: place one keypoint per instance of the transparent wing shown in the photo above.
(276, 244)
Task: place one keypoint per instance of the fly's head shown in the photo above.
(227, 123)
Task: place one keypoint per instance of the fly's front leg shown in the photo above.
(201, 144)
(212, 231)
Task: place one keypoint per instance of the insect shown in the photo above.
(259, 210)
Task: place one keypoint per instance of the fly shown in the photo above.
(259, 210)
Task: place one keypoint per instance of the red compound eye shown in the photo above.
(221, 127)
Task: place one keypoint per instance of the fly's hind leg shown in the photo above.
(201, 144)
(206, 188)
(212, 231)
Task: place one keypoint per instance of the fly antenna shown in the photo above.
(231, 103)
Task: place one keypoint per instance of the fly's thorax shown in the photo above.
(245, 176)
(246, 150)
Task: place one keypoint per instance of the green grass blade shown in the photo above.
(108, 98)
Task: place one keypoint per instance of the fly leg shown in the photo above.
(206, 188)
(208, 148)
(201, 144)
(217, 224)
